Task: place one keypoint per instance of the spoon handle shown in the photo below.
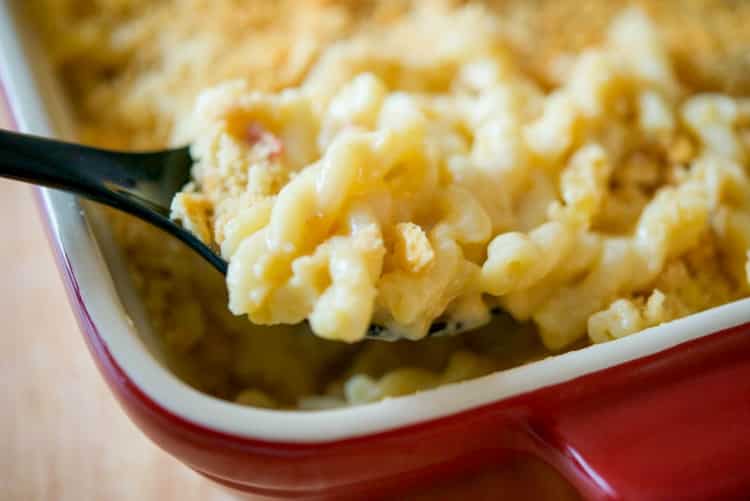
(142, 184)
(50, 163)
(117, 179)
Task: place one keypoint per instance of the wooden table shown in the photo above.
(63, 436)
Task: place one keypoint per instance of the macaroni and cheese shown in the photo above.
(413, 179)
(407, 161)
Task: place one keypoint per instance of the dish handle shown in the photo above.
(675, 425)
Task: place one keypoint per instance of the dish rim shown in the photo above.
(36, 106)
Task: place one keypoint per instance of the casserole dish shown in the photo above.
(637, 418)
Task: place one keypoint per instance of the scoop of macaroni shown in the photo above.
(414, 178)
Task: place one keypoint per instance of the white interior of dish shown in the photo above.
(113, 306)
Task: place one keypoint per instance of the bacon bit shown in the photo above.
(256, 133)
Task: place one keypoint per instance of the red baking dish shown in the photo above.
(663, 414)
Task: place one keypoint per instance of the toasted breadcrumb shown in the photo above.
(412, 248)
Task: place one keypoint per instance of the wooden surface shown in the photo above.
(62, 435)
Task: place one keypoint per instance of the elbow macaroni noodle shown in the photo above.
(407, 183)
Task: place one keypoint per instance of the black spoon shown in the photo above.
(141, 183)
